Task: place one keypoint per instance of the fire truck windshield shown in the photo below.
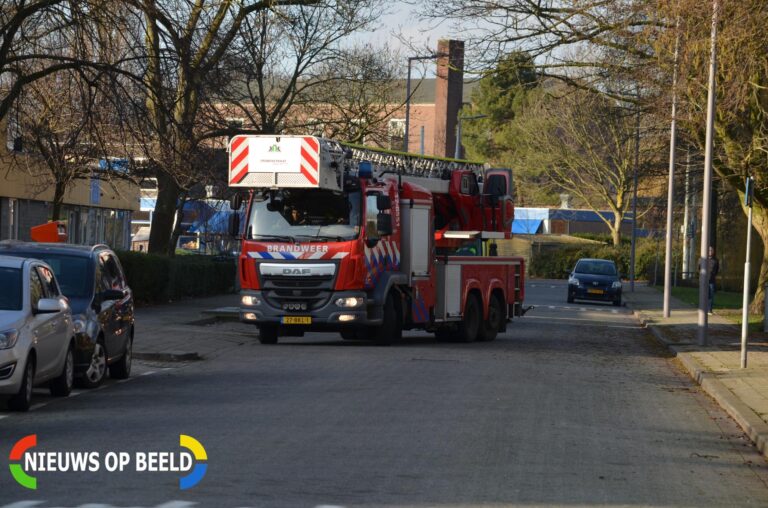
(305, 215)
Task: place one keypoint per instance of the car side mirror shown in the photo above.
(49, 306)
(383, 202)
(112, 294)
(234, 225)
(384, 224)
(236, 201)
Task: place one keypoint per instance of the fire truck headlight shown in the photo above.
(350, 302)
(249, 300)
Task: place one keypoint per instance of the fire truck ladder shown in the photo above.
(409, 164)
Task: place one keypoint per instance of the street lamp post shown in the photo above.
(457, 152)
(408, 93)
(707, 193)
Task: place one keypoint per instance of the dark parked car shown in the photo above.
(101, 301)
(594, 279)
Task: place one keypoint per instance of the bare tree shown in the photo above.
(580, 42)
(585, 143)
(292, 70)
(182, 44)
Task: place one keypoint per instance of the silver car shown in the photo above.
(36, 333)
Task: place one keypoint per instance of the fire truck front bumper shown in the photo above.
(343, 308)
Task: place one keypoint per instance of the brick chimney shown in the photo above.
(448, 95)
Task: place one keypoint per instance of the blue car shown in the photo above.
(595, 279)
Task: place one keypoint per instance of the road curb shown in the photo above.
(754, 426)
(171, 356)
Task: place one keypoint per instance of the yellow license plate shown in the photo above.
(595, 291)
(297, 320)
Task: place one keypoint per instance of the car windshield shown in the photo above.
(72, 273)
(11, 295)
(595, 268)
(301, 215)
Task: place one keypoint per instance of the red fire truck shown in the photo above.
(368, 242)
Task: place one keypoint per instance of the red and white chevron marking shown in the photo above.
(310, 159)
(238, 165)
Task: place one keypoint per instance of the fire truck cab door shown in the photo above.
(498, 194)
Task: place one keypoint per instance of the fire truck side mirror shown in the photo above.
(234, 225)
(236, 201)
(383, 202)
(384, 224)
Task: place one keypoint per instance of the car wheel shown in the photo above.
(23, 398)
(391, 330)
(617, 303)
(268, 334)
(469, 328)
(97, 369)
(121, 369)
(62, 385)
(489, 328)
(570, 297)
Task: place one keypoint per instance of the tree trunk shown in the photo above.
(58, 199)
(616, 230)
(177, 228)
(760, 223)
(165, 212)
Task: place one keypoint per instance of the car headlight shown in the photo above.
(250, 300)
(8, 338)
(352, 301)
(617, 284)
(78, 324)
(573, 281)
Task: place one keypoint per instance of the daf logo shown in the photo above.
(297, 271)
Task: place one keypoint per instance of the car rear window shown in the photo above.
(73, 273)
(11, 295)
(595, 268)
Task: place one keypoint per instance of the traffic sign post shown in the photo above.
(748, 191)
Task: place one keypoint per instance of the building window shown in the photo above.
(396, 133)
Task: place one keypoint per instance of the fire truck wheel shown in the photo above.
(392, 329)
(268, 334)
(490, 327)
(469, 327)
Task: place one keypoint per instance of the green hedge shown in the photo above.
(553, 262)
(157, 279)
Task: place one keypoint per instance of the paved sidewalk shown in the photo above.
(743, 393)
(190, 329)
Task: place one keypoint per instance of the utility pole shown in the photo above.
(706, 203)
(687, 218)
(671, 185)
(634, 200)
(748, 190)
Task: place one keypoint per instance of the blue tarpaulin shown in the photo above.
(526, 226)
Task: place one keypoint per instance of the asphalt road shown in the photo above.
(574, 405)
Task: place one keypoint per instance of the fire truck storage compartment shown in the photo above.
(416, 240)
(448, 304)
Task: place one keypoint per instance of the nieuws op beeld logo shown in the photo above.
(25, 462)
